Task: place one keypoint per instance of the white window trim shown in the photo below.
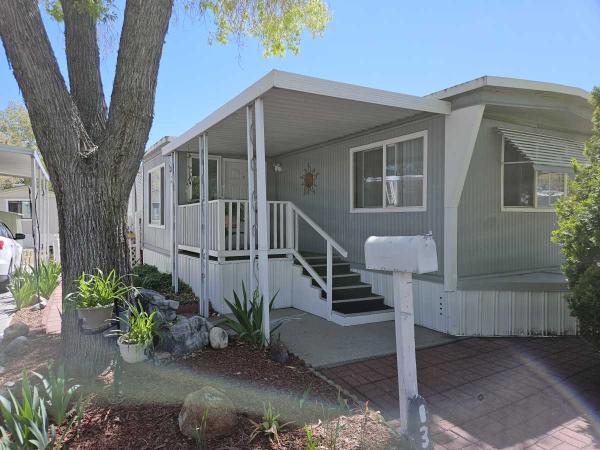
(162, 200)
(8, 200)
(390, 209)
(188, 189)
(535, 208)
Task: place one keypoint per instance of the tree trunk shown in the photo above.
(92, 153)
(92, 221)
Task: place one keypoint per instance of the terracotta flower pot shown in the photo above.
(132, 353)
(95, 318)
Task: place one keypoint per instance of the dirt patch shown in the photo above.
(31, 317)
(41, 350)
(143, 414)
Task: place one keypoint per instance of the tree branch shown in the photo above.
(44, 90)
(83, 61)
(132, 102)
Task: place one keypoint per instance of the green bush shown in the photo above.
(585, 303)
(47, 275)
(148, 277)
(248, 317)
(23, 288)
(58, 392)
(93, 290)
(578, 234)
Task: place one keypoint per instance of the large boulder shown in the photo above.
(15, 330)
(218, 338)
(221, 418)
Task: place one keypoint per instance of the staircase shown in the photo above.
(353, 302)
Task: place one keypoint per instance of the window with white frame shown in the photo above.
(193, 183)
(156, 193)
(524, 186)
(390, 175)
(20, 207)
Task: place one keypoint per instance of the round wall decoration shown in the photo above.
(309, 179)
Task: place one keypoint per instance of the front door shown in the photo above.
(235, 179)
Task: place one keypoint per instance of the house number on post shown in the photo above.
(403, 256)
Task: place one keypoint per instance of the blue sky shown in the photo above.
(415, 47)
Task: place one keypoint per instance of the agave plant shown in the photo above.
(59, 392)
(248, 317)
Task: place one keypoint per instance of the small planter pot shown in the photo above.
(132, 353)
(96, 318)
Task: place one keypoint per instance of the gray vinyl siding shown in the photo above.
(494, 241)
(329, 206)
(155, 238)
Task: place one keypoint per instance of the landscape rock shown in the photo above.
(221, 417)
(15, 330)
(166, 310)
(185, 335)
(16, 347)
(218, 338)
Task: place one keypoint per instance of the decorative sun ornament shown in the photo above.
(309, 179)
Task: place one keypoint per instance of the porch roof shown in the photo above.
(16, 161)
(302, 111)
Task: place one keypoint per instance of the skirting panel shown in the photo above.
(225, 277)
(482, 312)
(160, 261)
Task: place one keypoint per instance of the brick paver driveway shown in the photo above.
(538, 393)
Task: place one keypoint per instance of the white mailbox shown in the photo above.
(403, 256)
(414, 254)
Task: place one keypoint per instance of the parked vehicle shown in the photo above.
(10, 253)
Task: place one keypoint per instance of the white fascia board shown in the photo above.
(310, 85)
(511, 83)
(40, 163)
(14, 149)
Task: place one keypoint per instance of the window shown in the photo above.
(156, 193)
(390, 175)
(20, 207)
(193, 184)
(526, 187)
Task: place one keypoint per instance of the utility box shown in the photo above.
(414, 254)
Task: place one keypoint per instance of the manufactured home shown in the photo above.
(280, 188)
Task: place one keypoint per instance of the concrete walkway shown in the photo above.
(7, 309)
(321, 343)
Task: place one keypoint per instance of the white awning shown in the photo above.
(547, 153)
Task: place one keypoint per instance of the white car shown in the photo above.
(10, 253)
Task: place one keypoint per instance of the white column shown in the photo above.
(405, 342)
(263, 218)
(203, 224)
(251, 150)
(174, 222)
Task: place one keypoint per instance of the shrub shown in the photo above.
(99, 290)
(58, 393)
(22, 286)
(141, 326)
(248, 317)
(585, 303)
(578, 234)
(47, 275)
(270, 425)
(148, 277)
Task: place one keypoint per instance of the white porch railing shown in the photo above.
(228, 234)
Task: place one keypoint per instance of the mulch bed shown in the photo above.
(31, 317)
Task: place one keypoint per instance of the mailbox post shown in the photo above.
(403, 256)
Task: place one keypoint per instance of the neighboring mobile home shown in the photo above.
(478, 165)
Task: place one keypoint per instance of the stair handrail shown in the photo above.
(331, 244)
(320, 230)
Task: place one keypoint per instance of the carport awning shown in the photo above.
(547, 153)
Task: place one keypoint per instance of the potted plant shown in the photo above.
(137, 337)
(95, 296)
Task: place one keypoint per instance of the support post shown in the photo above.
(34, 212)
(405, 342)
(203, 223)
(263, 215)
(174, 223)
(251, 150)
